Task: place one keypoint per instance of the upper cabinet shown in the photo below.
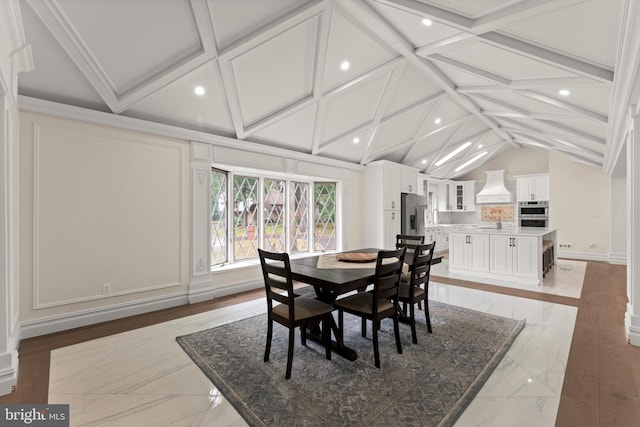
(464, 194)
(456, 196)
(423, 185)
(409, 181)
(533, 187)
(391, 179)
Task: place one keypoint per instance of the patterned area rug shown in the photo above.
(430, 384)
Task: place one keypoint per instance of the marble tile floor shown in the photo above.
(142, 378)
(564, 279)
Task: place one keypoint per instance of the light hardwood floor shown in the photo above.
(602, 380)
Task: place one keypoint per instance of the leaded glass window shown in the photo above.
(324, 218)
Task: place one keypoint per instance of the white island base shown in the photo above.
(513, 253)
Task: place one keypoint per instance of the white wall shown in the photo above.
(579, 208)
(618, 220)
(99, 206)
(107, 205)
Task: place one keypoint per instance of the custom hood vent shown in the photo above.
(494, 190)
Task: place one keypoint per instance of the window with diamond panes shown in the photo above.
(298, 216)
(324, 217)
(245, 217)
(218, 217)
(274, 215)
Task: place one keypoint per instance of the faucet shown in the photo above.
(499, 225)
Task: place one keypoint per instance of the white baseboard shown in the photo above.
(234, 288)
(632, 327)
(34, 328)
(618, 258)
(9, 368)
(583, 256)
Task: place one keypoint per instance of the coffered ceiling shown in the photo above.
(355, 80)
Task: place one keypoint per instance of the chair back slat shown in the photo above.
(421, 266)
(387, 277)
(276, 270)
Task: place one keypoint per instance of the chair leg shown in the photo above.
(396, 331)
(267, 349)
(364, 327)
(427, 316)
(376, 351)
(292, 335)
(303, 334)
(414, 335)
(340, 327)
(326, 334)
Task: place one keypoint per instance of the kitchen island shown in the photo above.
(509, 253)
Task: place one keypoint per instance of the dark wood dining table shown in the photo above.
(329, 284)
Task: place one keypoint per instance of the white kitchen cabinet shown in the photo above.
(391, 228)
(445, 200)
(436, 234)
(460, 196)
(390, 187)
(514, 255)
(533, 188)
(382, 181)
(409, 180)
(423, 185)
(469, 251)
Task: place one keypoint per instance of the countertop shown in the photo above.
(520, 231)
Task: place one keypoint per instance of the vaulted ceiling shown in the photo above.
(356, 80)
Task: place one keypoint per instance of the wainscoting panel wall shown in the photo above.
(107, 216)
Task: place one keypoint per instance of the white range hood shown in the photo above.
(494, 190)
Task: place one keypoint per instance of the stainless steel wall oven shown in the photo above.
(533, 214)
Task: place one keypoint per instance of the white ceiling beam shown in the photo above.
(322, 47)
(567, 106)
(119, 99)
(499, 80)
(388, 67)
(518, 11)
(361, 10)
(273, 29)
(444, 44)
(392, 83)
(535, 116)
(548, 119)
(261, 35)
(415, 106)
(341, 138)
(436, 13)
(547, 56)
(470, 69)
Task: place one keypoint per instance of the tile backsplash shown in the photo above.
(495, 213)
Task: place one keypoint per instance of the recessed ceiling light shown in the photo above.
(356, 140)
(199, 90)
(453, 153)
(345, 65)
(424, 161)
(480, 145)
(564, 92)
(437, 121)
(427, 22)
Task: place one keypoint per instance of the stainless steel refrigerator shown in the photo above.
(413, 209)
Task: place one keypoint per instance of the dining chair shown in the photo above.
(379, 303)
(416, 288)
(408, 241)
(290, 310)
